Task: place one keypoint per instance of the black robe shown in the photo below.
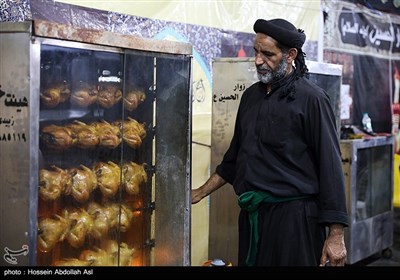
(288, 147)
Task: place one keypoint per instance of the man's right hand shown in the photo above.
(213, 183)
(196, 196)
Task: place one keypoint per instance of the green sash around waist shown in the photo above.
(250, 201)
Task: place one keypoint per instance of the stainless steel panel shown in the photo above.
(34, 154)
(12, 27)
(172, 135)
(367, 166)
(15, 140)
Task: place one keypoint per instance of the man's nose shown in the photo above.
(259, 59)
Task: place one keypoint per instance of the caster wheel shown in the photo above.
(387, 253)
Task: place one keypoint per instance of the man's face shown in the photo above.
(270, 61)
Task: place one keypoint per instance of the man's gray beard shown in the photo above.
(274, 75)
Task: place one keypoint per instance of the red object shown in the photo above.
(241, 52)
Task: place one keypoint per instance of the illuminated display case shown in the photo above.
(95, 133)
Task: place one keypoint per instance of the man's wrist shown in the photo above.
(336, 229)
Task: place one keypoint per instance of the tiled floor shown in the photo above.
(391, 257)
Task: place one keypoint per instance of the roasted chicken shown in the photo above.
(84, 181)
(55, 94)
(85, 135)
(133, 132)
(51, 231)
(97, 257)
(109, 135)
(81, 224)
(126, 217)
(108, 96)
(108, 177)
(134, 175)
(118, 219)
(111, 210)
(57, 137)
(133, 99)
(107, 217)
(125, 253)
(54, 182)
(84, 95)
(101, 221)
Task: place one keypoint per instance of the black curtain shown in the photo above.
(372, 92)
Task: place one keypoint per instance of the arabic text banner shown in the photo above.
(359, 30)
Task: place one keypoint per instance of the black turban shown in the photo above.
(282, 31)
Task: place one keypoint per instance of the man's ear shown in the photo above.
(292, 54)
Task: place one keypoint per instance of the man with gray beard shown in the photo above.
(284, 161)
